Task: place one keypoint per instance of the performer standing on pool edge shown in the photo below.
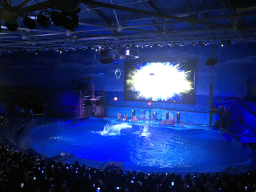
(143, 116)
(178, 117)
(119, 116)
(166, 115)
(133, 113)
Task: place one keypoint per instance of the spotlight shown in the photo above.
(146, 45)
(151, 46)
(43, 20)
(37, 51)
(12, 27)
(57, 18)
(200, 43)
(174, 44)
(193, 43)
(222, 43)
(29, 23)
(69, 20)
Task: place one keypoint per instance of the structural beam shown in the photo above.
(110, 6)
(36, 7)
(99, 15)
(154, 20)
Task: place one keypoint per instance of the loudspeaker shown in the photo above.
(211, 61)
(106, 60)
(104, 53)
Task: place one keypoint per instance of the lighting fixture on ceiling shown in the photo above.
(69, 20)
(43, 20)
(174, 44)
(193, 43)
(12, 27)
(37, 51)
(56, 18)
(59, 50)
(29, 23)
(200, 43)
(222, 43)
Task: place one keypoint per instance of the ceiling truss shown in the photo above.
(135, 22)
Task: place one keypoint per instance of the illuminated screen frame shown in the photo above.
(184, 98)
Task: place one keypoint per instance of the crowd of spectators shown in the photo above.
(20, 171)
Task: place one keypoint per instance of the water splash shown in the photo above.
(145, 132)
(114, 129)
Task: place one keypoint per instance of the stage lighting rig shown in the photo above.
(29, 23)
(68, 20)
(12, 27)
(56, 18)
(43, 20)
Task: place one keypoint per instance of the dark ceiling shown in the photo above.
(105, 23)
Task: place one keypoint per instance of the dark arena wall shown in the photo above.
(55, 70)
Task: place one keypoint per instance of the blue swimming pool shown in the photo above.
(140, 147)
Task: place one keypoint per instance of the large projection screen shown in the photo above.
(160, 81)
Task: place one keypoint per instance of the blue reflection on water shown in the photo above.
(160, 147)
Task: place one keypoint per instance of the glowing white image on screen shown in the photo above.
(160, 81)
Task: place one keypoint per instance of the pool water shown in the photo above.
(161, 148)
